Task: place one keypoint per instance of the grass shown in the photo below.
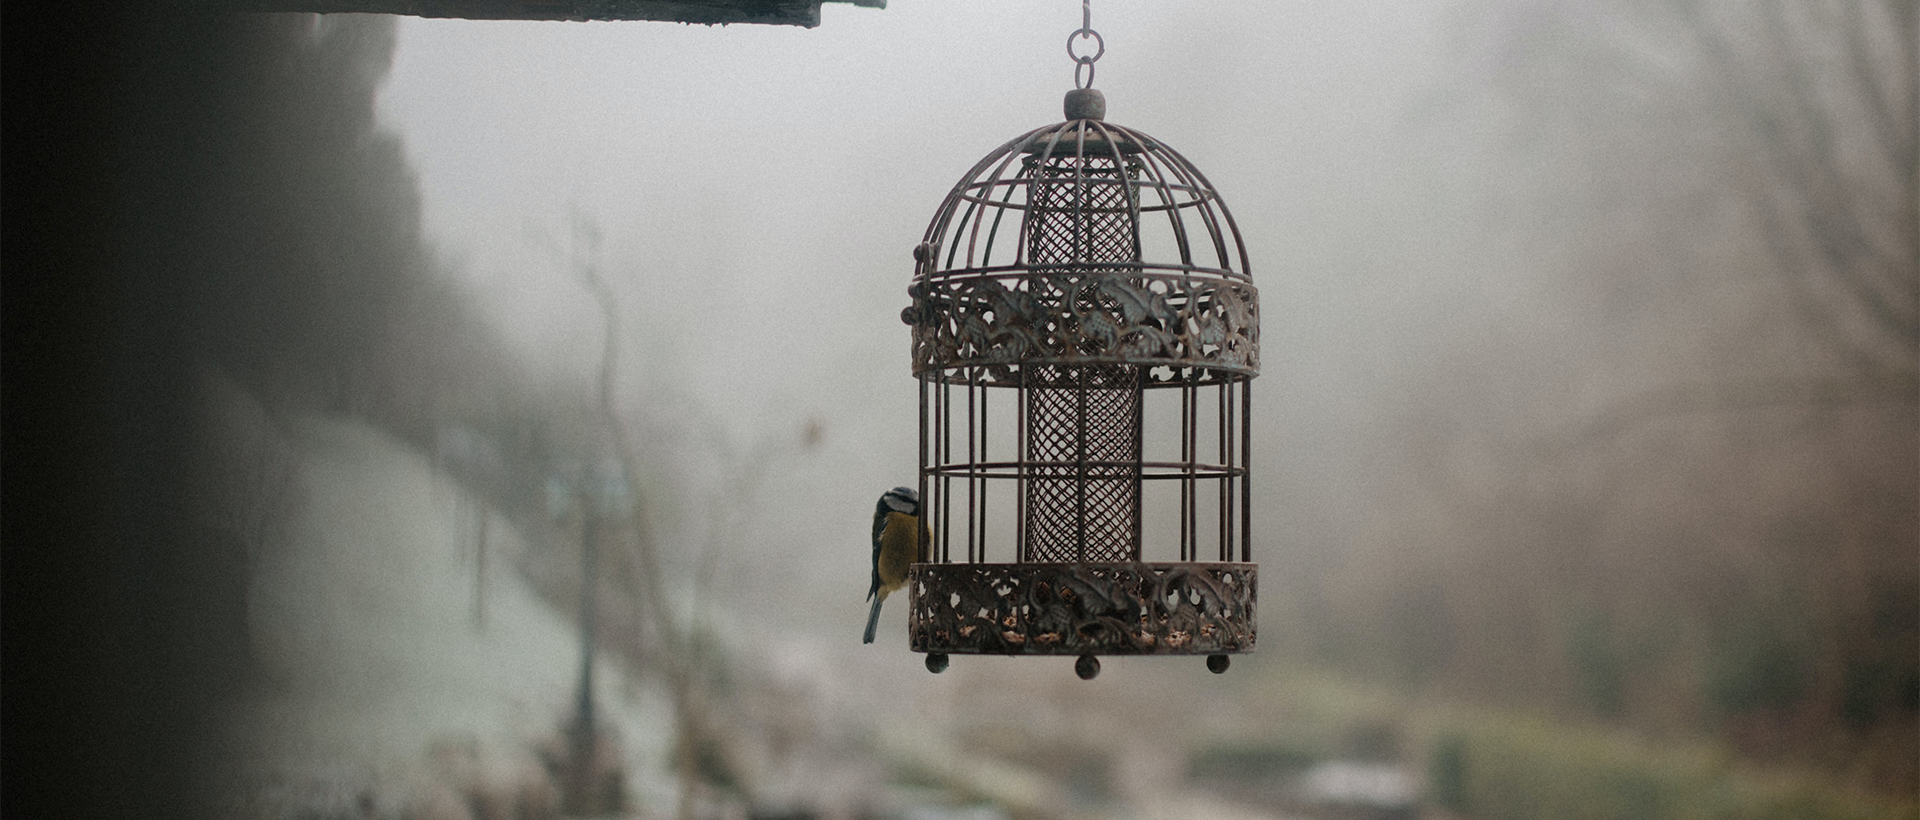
(1507, 768)
(1494, 765)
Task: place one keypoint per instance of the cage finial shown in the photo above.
(1086, 104)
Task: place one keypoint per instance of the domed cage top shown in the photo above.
(1084, 331)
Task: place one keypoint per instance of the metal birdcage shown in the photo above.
(1084, 332)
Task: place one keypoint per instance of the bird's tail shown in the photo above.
(873, 616)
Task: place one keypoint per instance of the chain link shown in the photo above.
(1083, 63)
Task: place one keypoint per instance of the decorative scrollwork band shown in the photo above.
(1121, 608)
(1085, 317)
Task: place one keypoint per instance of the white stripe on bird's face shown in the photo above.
(902, 500)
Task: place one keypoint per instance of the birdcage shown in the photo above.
(1085, 332)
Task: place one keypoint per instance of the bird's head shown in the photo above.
(904, 500)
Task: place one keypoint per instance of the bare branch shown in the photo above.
(1812, 178)
(1895, 133)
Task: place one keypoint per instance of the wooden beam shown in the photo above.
(707, 12)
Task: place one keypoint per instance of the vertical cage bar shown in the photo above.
(1080, 464)
(1225, 485)
(1228, 498)
(1192, 397)
(1186, 445)
(931, 502)
(1139, 454)
(921, 480)
(1228, 501)
(973, 457)
(1221, 512)
(946, 460)
(1246, 469)
(1021, 446)
(984, 456)
(1233, 456)
(930, 432)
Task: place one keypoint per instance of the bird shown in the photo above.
(899, 539)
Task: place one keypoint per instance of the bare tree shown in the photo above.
(1800, 115)
(1679, 508)
(1824, 93)
(673, 643)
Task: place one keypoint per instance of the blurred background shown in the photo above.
(341, 349)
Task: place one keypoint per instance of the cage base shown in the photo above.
(1105, 608)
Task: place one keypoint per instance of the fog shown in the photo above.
(758, 189)
(1585, 453)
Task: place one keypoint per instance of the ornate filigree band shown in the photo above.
(1122, 608)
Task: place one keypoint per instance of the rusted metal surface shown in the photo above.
(1106, 608)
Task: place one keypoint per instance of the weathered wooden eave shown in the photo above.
(707, 12)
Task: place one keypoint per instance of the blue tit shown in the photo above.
(899, 539)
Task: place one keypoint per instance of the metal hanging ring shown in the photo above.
(1081, 34)
(1083, 61)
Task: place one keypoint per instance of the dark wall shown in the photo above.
(182, 190)
(98, 695)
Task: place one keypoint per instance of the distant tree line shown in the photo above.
(1685, 496)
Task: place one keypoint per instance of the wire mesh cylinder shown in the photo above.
(1083, 442)
(1083, 435)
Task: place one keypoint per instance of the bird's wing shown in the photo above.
(879, 527)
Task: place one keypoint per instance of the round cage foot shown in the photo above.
(1087, 666)
(936, 662)
(1218, 663)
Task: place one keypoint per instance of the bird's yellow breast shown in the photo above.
(899, 548)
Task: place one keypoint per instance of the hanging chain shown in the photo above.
(1083, 63)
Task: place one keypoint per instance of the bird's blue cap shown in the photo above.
(902, 499)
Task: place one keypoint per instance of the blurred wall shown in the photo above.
(184, 191)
